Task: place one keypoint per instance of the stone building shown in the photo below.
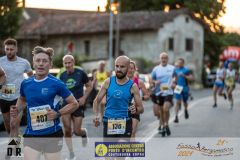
(143, 34)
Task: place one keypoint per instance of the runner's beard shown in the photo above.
(11, 56)
(121, 75)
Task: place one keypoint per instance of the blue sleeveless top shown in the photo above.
(118, 99)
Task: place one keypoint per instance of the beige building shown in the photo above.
(142, 34)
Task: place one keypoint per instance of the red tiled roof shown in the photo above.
(59, 22)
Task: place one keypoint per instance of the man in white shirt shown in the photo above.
(162, 76)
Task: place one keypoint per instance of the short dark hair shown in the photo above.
(48, 51)
(181, 59)
(10, 41)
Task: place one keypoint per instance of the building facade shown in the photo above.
(142, 35)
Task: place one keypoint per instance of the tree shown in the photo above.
(231, 39)
(10, 14)
(208, 11)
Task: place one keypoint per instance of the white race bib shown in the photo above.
(164, 87)
(8, 90)
(39, 117)
(178, 89)
(116, 126)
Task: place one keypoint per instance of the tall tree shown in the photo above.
(208, 11)
(10, 14)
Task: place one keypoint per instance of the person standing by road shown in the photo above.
(14, 68)
(119, 91)
(75, 79)
(162, 76)
(41, 94)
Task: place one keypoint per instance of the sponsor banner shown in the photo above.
(119, 149)
(221, 148)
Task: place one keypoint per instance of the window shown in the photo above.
(87, 47)
(189, 44)
(170, 44)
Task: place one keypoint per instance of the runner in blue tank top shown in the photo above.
(41, 93)
(182, 76)
(119, 91)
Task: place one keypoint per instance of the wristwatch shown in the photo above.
(58, 114)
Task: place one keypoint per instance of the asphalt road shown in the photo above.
(206, 125)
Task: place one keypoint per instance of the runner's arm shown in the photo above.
(2, 77)
(71, 106)
(137, 99)
(30, 73)
(224, 75)
(145, 92)
(89, 87)
(18, 108)
(99, 97)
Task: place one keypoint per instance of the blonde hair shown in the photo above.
(163, 54)
(39, 49)
(134, 64)
(68, 56)
(101, 62)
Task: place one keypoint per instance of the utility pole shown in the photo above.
(117, 29)
(110, 37)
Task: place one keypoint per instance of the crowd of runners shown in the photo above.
(118, 103)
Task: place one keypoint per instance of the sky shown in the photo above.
(230, 19)
(68, 4)
(232, 16)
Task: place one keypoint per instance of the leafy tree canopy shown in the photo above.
(10, 15)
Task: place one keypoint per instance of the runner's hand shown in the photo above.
(13, 111)
(96, 121)
(133, 109)
(51, 115)
(157, 82)
(82, 101)
(174, 85)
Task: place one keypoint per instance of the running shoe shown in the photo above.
(71, 156)
(176, 120)
(215, 105)
(186, 114)
(163, 131)
(168, 131)
(85, 138)
(160, 129)
(225, 96)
